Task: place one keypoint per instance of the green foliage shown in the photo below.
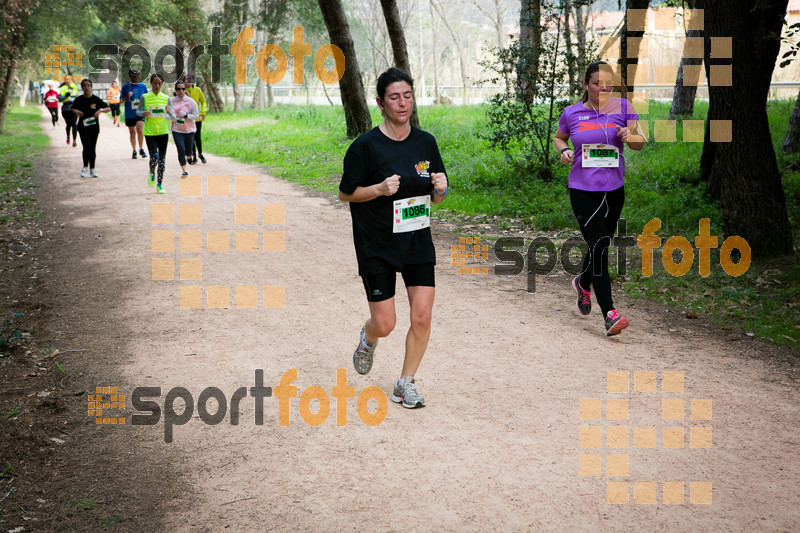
(5, 416)
(19, 143)
(523, 121)
(518, 124)
(763, 302)
(789, 38)
(10, 333)
(113, 519)
(303, 145)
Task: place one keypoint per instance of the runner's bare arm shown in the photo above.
(636, 137)
(439, 181)
(387, 187)
(561, 144)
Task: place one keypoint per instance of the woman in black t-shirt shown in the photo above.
(391, 174)
(87, 107)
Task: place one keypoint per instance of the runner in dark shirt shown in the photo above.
(391, 175)
(87, 107)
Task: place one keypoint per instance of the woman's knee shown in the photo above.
(421, 318)
(383, 325)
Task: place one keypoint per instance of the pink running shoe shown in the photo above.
(584, 297)
(615, 323)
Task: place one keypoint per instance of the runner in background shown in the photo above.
(51, 102)
(66, 94)
(183, 127)
(599, 126)
(113, 101)
(87, 107)
(130, 95)
(156, 109)
(195, 93)
(394, 168)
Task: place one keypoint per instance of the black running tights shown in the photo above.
(157, 146)
(89, 143)
(597, 213)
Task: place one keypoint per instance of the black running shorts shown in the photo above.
(381, 286)
(131, 122)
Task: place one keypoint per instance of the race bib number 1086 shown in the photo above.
(411, 214)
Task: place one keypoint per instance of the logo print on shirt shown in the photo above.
(422, 169)
(587, 126)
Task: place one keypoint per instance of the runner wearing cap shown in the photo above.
(66, 94)
(130, 95)
(195, 93)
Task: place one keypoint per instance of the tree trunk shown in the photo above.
(743, 173)
(437, 98)
(459, 51)
(567, 9)
(213, 98)
(399, 48)
(625, 34)
(258, 96)
(530, 40)
(257, 102)
(354, 101)
(180, 44)
(325, 90)
(499, 27)
(5, 96)
(23, 94)
(581, 21)
(501, 38)
(270, 96)
(237, 98)
(686, 89)
(792, 141)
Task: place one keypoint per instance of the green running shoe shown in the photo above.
(160, 189)
(151, 180)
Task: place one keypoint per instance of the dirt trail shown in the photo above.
(498, 445)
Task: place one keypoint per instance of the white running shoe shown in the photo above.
(362, 357)
(407, 394)
(94, 174)
(85, 172)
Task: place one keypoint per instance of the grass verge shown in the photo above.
(306, 145)
(21, 141)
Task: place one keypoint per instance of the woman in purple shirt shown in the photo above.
(599, 126)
